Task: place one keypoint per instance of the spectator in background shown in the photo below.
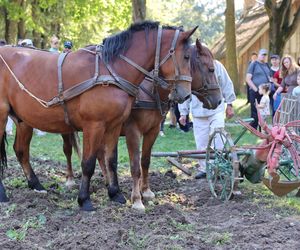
(277, 79)
(54, 43)
(68, 45)
(258, 73)
(205, 120)
(289, 72)
(252, 59)
(2, 42)
(296, 90)
(27, 43)
(275, 62)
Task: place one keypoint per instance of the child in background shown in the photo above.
(296, 91)
(264, 106)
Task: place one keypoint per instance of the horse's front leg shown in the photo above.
(133, 137)
(93, 135)
(21, 148)
(111, 163)
(148, 141)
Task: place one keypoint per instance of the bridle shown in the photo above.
(203, 92)
(154, 74)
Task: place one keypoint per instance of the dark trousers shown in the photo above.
(254, 95)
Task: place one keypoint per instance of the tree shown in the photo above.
(231, 59)
(138, 10)
(282, 23)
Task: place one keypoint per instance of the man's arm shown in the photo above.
(250, 83)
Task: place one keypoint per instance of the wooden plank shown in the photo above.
(179, 166)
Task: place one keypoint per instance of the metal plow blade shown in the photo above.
(280, 188)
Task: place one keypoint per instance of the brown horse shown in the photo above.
(28, 77)
(143, 121)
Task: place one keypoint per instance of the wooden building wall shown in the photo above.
(292, 48)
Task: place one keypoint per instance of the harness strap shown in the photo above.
(60, 61)
(79, 88)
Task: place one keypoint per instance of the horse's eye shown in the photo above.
(187, 57)
(212, 70)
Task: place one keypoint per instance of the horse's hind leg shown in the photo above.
(67, 146)
(148, 141)
(21, 147)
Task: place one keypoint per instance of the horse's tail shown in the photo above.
(75, 142)
(3, 158)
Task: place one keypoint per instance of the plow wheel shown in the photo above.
(221, 164)
(285, 180)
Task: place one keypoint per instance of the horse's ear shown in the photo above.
(189, 33)
(198, 45)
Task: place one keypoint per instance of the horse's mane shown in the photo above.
(204, 59)
(119, 43)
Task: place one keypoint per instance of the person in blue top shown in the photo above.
(258, 73)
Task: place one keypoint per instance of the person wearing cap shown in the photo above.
(68, 45)
(54, 43)
(275, 61)
(258, 73)
(2, 42)
(27, 43)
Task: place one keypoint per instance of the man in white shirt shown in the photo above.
(205, 120)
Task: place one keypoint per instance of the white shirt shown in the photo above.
(227, 90)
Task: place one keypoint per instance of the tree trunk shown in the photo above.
(282, 24)
(11, 31)
(138, 10)
(231, 59)
(21, 24)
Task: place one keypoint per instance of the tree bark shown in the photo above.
(282, 24)
(138, 10)
(231, 58)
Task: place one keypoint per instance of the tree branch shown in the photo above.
(268, 7)
(291, 29)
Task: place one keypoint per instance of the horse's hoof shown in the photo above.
(138, 205)
(237, 192)
(42, 191)
(148, 194)
(86, 206)
(37, 187)
(70, 183)
(118, 197)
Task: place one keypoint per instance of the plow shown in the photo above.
(275, 161)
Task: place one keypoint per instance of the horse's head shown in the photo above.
(175, 62)
(204, 85)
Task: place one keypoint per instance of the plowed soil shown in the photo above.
(182, 216)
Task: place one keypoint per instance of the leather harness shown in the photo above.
(105, 80)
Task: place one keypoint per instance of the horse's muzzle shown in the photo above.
(180, 93)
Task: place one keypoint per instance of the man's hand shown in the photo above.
(182, 120)
(229, 112)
